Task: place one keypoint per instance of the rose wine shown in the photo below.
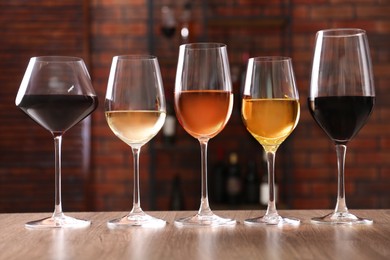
(135, 127)
(203, 113)
(341, 117)
(270, 121)
(58, 113)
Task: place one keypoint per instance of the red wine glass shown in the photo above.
(341, 99)
(56, 92)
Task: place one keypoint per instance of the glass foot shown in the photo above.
(209, 220)
(274, 219)
(62, 221)
(140, 219)
(341, 218)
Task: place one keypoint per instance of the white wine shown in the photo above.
(135, 127)
(270, 121)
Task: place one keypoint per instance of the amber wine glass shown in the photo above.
(135, 111)
(203, 104)
(341, 99)
(57, 93)
(270, 112)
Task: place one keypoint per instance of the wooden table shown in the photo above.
(307, 241)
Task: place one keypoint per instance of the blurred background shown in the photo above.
(97, 166)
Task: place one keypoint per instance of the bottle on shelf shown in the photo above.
(177, 199)
(264, 190)
(218, 178)
(252, 183)
(233, 181)
(168, 21)
(169, 128)
(186, 19)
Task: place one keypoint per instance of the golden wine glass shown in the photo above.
(270, 112)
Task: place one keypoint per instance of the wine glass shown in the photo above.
(56, 92)
(341, 99)
(270, 112)
(135, 111)
(203, 103)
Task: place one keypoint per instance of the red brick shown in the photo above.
(310, 174)
(372, 11)
(341, 12)
(313, 203)
(324, 189)
(302, 26)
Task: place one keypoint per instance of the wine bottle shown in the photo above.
(177, 199)
(169, 128)
(168, 22)
(186, 27)
(218, 178)
(264, 190)
(252, 184)
(233, 181)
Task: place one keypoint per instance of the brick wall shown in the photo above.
(37, 28)
(367, 178)
(306, 162)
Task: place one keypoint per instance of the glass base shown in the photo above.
(274, 219)
(341, 218)
(139, 219)
(62, 221)
(209, 220)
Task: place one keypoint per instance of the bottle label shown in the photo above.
(169, 126)
(233, 186)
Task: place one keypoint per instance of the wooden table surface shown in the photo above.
(307, 241)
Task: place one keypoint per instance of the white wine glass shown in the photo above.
(135, 111)
(203, 104)
(57, 93)
(270, 112)
(341, 99)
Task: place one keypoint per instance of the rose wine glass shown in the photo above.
(270, 112)
(341, 99)
(203, 103)
(135, 111)
(56, 92)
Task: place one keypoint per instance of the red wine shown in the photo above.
(341, 117)
(58, 113)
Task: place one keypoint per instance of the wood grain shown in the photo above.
(307, 241)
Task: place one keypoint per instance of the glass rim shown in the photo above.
(342, 32)
(57, 58)
(203, 45)
(135, 57)
(270, 58)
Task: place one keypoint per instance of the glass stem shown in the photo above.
(204, 201)
(136, 193)
(57, 197)
(271, 209)
(341, 206)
